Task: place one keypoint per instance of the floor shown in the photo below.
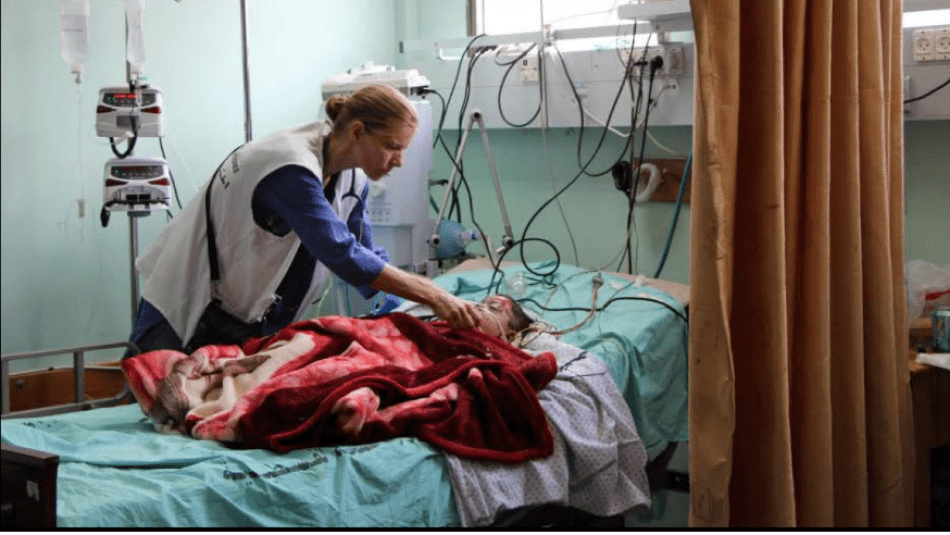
(670, 508)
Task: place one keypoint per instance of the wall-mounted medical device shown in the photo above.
(122, 111)
(409, 82)
(137, 184)
(663, 15)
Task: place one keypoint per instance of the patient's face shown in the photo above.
(497, 313)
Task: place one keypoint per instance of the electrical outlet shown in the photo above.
(673, 59)
(671, 87)
(638, 56)
(673, 62)
(924, 45)
(942, 43)
(529, 68)
(581, 90)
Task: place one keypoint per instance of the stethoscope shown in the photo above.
(330, 194)
(352, 191)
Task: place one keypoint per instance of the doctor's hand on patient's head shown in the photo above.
(461, 314)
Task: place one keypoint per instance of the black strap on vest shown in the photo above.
(209, 231)
(329, 189)
(209, 227)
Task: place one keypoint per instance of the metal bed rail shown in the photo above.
(79, 380)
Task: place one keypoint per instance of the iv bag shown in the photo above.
(135, 38)
(74, 31)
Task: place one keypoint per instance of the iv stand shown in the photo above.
(247, 74)
(133, 216)
(133, 253)
(507, 239)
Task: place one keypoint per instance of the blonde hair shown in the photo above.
(378, 107)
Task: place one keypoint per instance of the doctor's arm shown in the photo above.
(457, 311)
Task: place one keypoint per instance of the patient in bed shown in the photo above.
(337, 379)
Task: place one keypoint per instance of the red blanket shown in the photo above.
(338, 380)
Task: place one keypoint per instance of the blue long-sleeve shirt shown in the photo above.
(292, 199)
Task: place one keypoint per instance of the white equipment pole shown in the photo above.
(247, 75)
(507, 240)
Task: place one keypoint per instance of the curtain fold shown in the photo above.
(799, 384)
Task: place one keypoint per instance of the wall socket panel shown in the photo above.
(932, 44)
(672, 55)
(529, 68)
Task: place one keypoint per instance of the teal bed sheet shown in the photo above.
(643, 343)
(117, 471)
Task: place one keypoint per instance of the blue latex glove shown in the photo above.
(386, 304)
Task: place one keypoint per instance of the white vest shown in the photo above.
(251, 260)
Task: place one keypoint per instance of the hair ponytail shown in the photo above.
(335, 105)
(378, 107)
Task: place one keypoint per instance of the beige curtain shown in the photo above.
(798, 377)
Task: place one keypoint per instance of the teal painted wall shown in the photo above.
(65, 278)
(596, 211)
(927, 187)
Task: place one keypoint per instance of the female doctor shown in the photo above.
(249, 254)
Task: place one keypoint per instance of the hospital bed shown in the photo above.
(108, 467)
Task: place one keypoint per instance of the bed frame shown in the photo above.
(29, 499)
(29, 476)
